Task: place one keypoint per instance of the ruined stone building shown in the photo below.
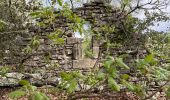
(68, 56)
(71, 53)
(64, 57)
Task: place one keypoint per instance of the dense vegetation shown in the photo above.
(132, 40)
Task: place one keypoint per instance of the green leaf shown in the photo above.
(35, 14)
(113, 84)
(66, 76)
(55, 37)
(41, 24)
(60, 2)
(3, 24)
(139, 90)
(121, 63)
(108, 62)
(141, 63)
(168, 93)
(125, 76)
(4, 70)
(72, 86)
(17, 94)
(35, 43)
(53, 1)
(31, 87)
(161, 75)
(24, 82)
(39, 96)
(27, 49)
(112, 71)
(128, 85)
(126, 2)
(100, 75)
(149, 58)
(59, 41)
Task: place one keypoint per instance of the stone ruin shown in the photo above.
(67, 57)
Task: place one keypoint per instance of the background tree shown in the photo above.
(14, 22)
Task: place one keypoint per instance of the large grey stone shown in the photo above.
(84, 63)
(11, 79)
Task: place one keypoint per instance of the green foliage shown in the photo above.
(39, 96)
(27, 50)
(60, 2)
(113, 84)
(121, 63)
(70, 80)
(88, 53)
(17, 94)
(28, 90)
(43, 13)
(2, 25)
(24, 82)
(168, 93)
(4, 70)
(129, 85)
(91, 79)
(55, 37)
(161, 73)
(77, 25)
(125, 76)
(100, 76)
(35, 42)
(126, 2)
(86, 46)
(139, 90)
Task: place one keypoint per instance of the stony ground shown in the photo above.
(60, 96)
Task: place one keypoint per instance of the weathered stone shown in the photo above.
(72, 40)
(62, 62)
(41, 41)
(84, 63)
(69, 51)
(96, 52)
(69, 46)
(12, 79)
(77, 51)
(36, 58)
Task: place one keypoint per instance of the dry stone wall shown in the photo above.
(66, 57)
(70, 55)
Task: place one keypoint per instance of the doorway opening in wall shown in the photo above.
(87, 40)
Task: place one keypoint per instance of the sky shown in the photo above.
(158, 26)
